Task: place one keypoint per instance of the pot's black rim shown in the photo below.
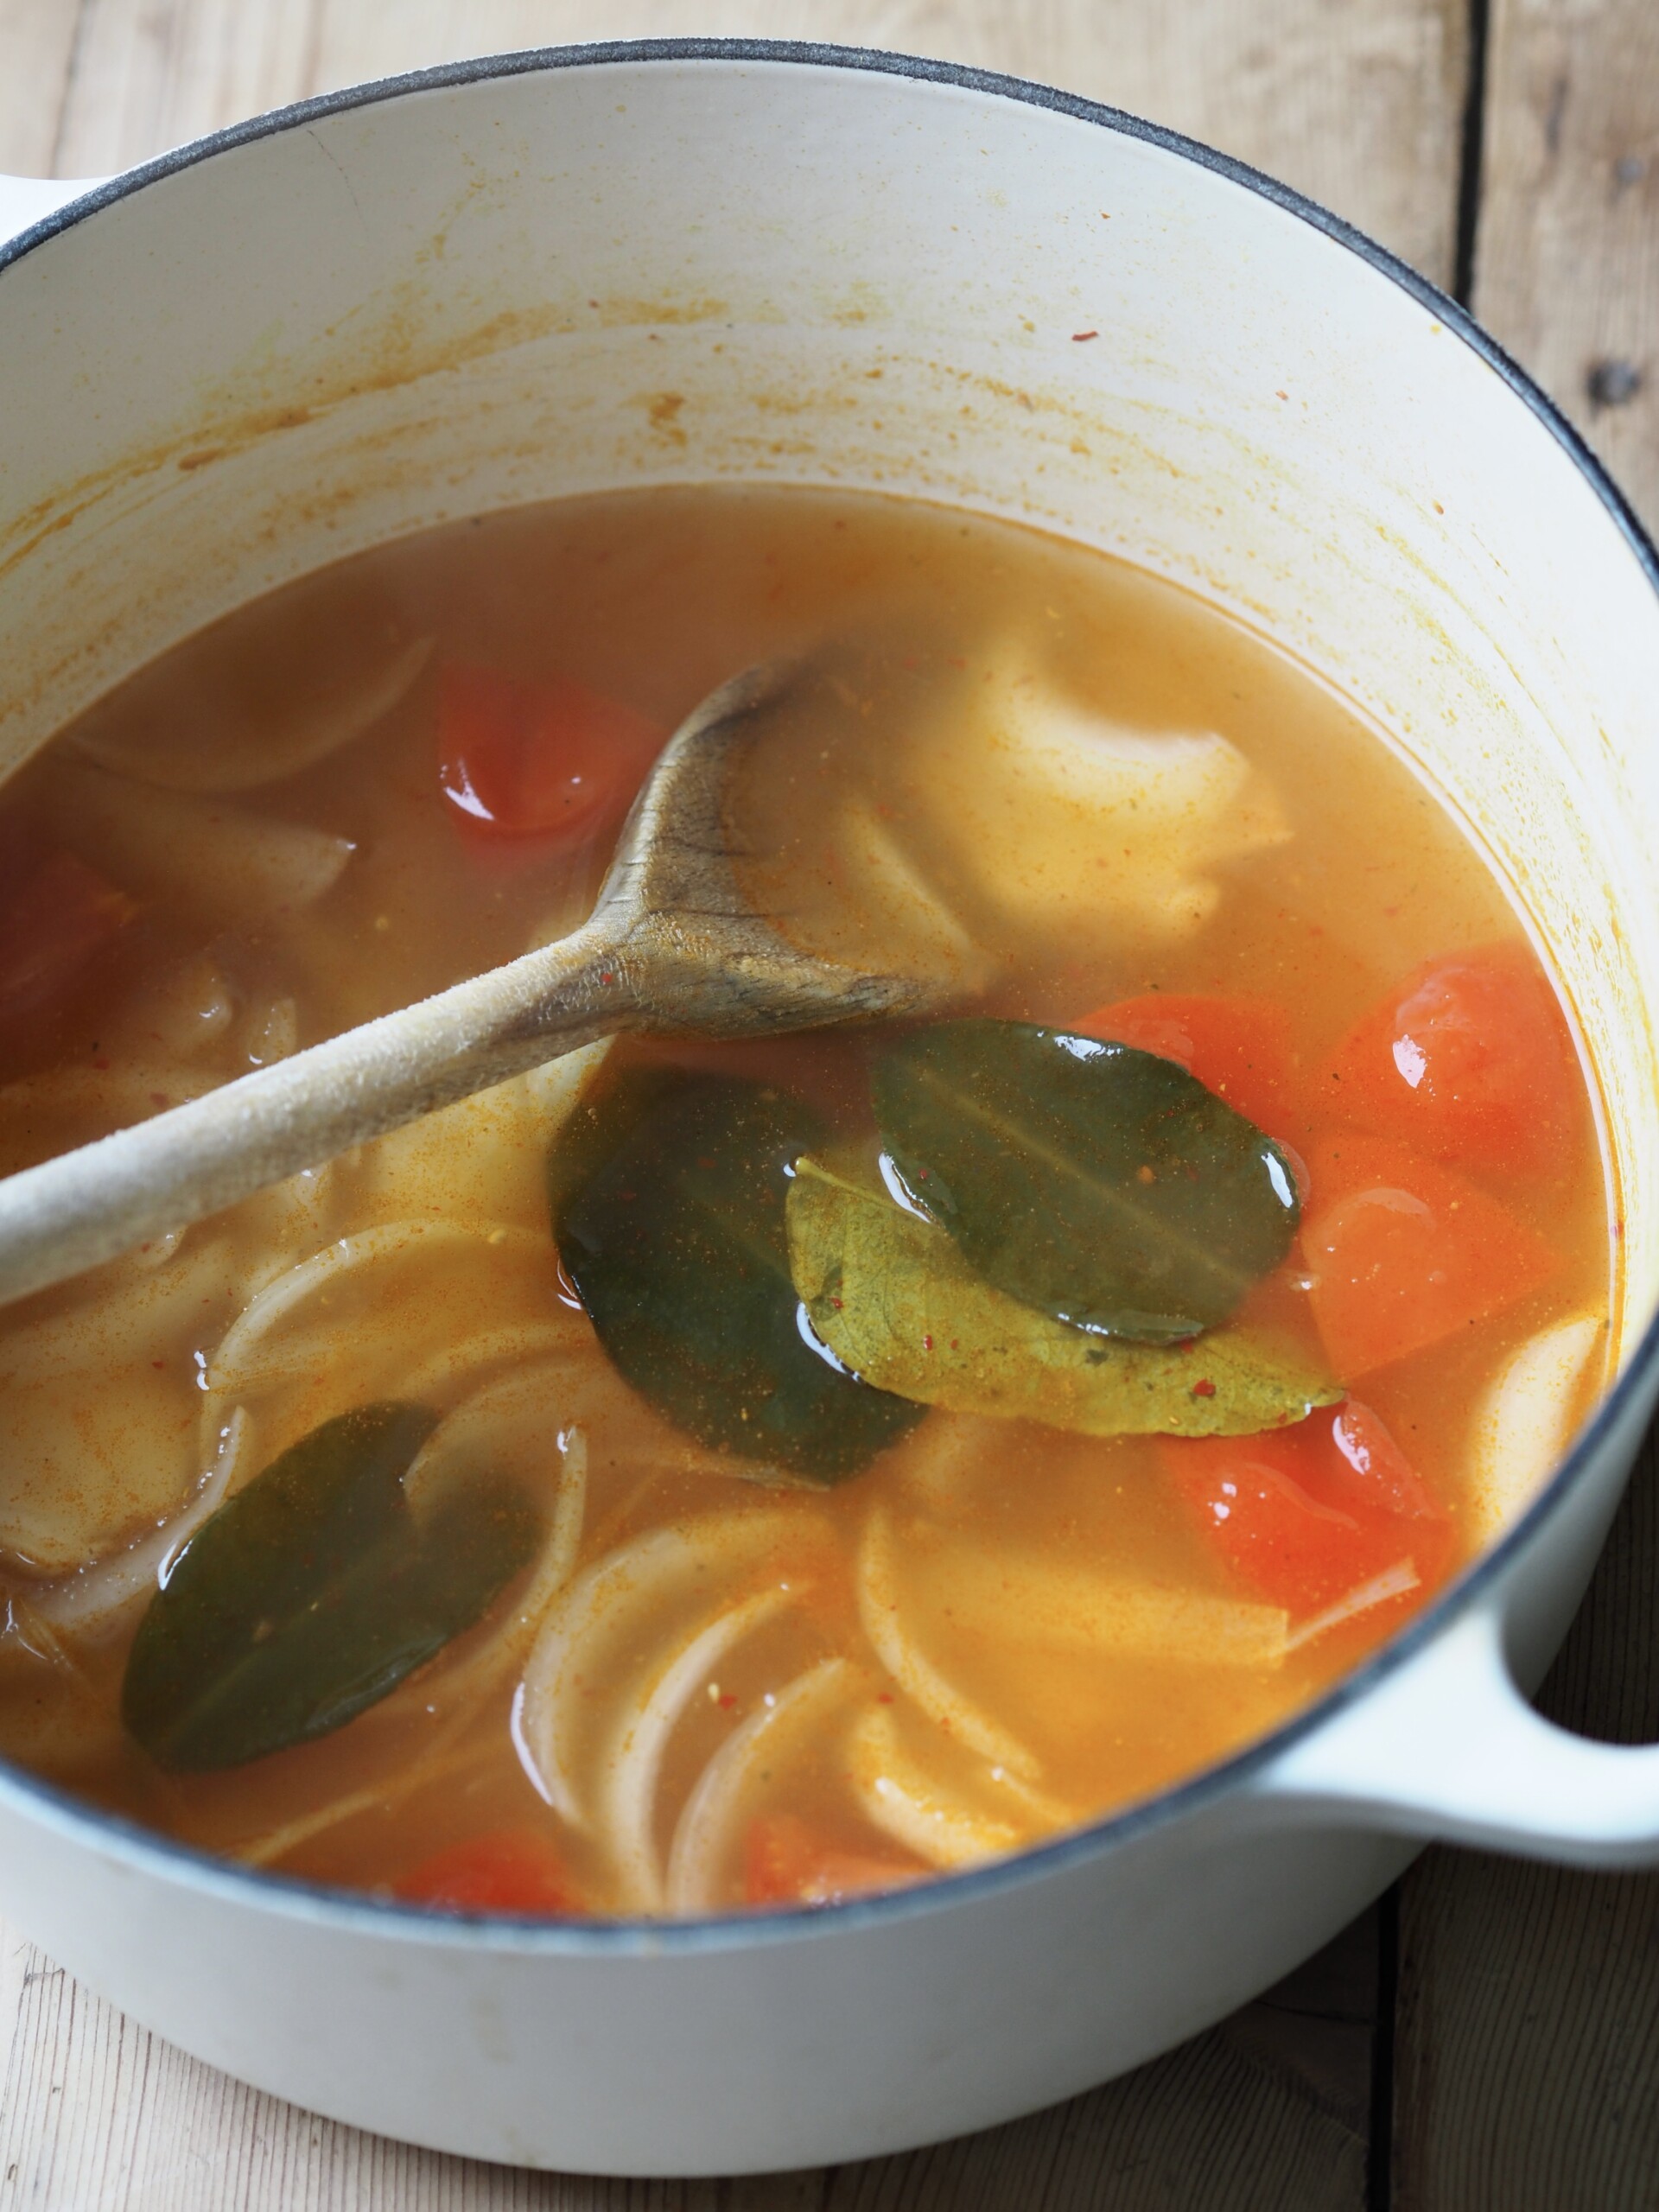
(55, 1808)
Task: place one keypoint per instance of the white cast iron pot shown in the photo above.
(616, 266)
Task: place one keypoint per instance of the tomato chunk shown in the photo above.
(1239, 1047)
(1304, 1516)
(1470, 1062)
(786, 1861)
(1404, 1254)
(51, 926)
(548, 761)
(511, 1870)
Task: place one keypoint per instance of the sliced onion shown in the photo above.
(87, 1603)
(609, 1628)
(939, 1818)
(219, 863)
(639, 1736)
(1393, 1582)
(881, 1612)
(706, 1832)
(288, 1337)
(225, 750)
(517, 1345)
(1524, 1422)
(1069, 1608)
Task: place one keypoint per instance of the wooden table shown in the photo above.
(1489, 2037)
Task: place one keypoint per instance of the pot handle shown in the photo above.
(25, 200)
(1446, 1748)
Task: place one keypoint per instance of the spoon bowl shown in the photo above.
(673, 948)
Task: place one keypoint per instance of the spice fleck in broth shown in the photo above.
(690, 1478)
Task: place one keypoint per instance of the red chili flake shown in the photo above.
(158, 1362)
(727, 1702)
(835, 1302)
(884, 1697)
(955, 1346)
(1203, 1389)
(1082, 337)
(927, 1344)
(606, 976)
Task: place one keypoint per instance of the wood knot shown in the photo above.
(1612, 383)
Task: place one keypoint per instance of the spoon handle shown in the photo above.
(89, 1205)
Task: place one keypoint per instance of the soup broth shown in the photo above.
(507, 1536)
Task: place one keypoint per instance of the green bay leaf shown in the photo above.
(895, 1298)
(671, 1222)
(1104, 1185)
(314, 1591)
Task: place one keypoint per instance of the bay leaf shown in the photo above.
(314, 1591)
(669, 1207)
(896, 1299)
(1102, 1185)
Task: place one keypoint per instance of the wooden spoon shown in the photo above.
(672, 946)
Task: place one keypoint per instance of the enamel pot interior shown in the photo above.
(615, 268)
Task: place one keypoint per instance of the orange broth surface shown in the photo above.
(709, 1689)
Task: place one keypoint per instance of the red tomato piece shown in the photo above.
(1305, 1515)
(51, 927)
(1404, 1254)
(549, 761)
(786, 1861)
(1468, 1061)
(511, 1870)
(1239, 1047)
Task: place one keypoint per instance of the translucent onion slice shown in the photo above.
(726, 1792)
(227, 751)
(407, 1288)
(99, 1439)
(219, 863)
(1027, 783)
(1393, 1582)
(514, 1346)
(609, 1629)
(98, 1598)
(942, 1820)
(1068, 1608)
(882, 1611)
(631, 1767)
(1525, 1421)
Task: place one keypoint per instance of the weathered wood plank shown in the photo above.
(1567, 262)
(149, 76)
(37, 43)
(1360, 106)
(1527, 2034)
